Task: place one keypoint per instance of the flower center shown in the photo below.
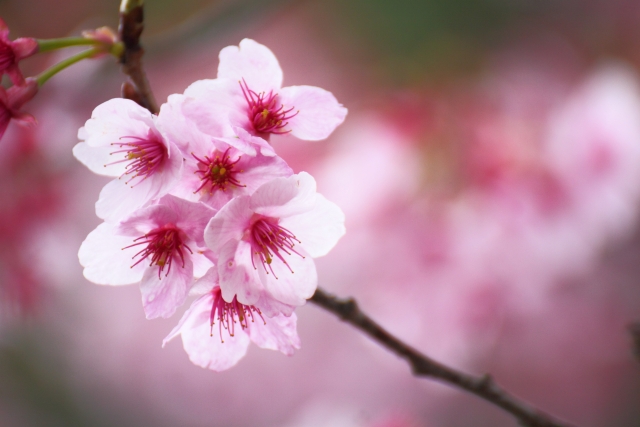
(269, 240)
(7, 57)
(265, 112)
(164, 245)
(230, 313)
(143, 155)
(217, 172)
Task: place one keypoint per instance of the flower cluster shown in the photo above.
(200, 204)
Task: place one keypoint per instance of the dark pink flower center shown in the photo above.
(216, 173)
(7, 57)
(265, 111)
(229, 313)
(269, 240)
(144, 156)
(164, 246)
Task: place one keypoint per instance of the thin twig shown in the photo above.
(129, 30)
(423, 366)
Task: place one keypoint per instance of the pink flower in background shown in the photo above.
(219, 347)
(124, 140)
(265, 242)
(159, 246)
(12, 100)
(214, 170)
(11, 52)
(249, 90)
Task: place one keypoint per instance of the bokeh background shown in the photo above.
(489, 169)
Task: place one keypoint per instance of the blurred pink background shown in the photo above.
(489, 169)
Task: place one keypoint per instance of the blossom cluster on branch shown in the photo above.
(200, 204)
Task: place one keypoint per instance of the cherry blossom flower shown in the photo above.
(249, 90)
(124, 140)
(216, 171)
(160, 246)
(216, 333)
(11, 52)
(265, 242)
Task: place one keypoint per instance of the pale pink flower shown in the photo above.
(214, 170)
(124, 140)
(160, 246)
(11, 52)
(249, 88)
(219, 347)
(12, 100)
(265, 242)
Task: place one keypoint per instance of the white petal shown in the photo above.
(238, 276)
(283, 197)
(319, 229)
(105, 261)
(163, 292)
(228, 224)
(99, 159)
(319, 113)
(254, 63)
(275, 333)
(287, 287)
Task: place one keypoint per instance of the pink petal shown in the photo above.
(114, 119)
(24, 47)
(228, 224)
(238, 277)
(254, 63)
(319, 229)
(291, 288)
(285, 196)
(178, 128)
(276, 333)
(254, 141)
(96, 159)
(260, 169)
(201, 264)
(206, 283)
(118, 200)
(271, 307)
(319, 113)
(146, 219)
(15, 75)
(105, 261)
(162, 294)
(204, 349)
(191, 218)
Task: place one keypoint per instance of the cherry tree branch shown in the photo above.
(129, 31)
(423, 366)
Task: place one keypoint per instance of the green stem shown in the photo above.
(47, 74)
(52, 44)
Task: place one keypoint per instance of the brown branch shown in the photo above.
(129, 30)
(423, 366)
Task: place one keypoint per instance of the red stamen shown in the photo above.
(227, 312)
(217, 173)
(144, 156)
(268, 239)
(265, 112)
(163, 245)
